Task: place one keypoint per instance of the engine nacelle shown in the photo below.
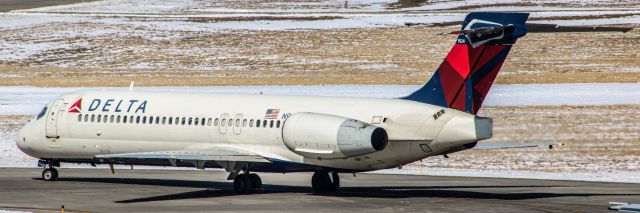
(330, 136)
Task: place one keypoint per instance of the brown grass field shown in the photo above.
(400, 55)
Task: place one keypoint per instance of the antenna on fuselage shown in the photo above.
(131, 86)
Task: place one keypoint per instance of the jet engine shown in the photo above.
(329, 136)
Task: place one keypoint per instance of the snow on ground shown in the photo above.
(29, 100)
(358, 14)
(10, 155)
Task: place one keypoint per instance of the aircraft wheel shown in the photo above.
(319, 181)
(50, 174)
(256, 182)
(242, 184)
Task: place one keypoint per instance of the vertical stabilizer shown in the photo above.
(465, 76)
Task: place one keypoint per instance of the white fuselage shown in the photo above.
(415, 130)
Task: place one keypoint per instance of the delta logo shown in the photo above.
(77, 107)
(111, 105)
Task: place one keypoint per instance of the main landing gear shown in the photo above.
(321, 181)
(50, 173)
(247, 183)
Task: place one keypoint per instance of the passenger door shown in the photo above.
(51, 126)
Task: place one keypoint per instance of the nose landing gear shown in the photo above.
(322, 182)
(50, 173)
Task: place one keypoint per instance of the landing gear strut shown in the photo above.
(247, 183)
(321, 181)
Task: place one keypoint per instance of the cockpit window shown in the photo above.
(42, 113)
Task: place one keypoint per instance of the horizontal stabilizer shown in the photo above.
(554, 28)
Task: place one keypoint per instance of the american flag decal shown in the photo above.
(272, 114)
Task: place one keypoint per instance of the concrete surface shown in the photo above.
(97, 190)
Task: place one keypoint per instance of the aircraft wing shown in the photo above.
(190, 155)
(517, 145)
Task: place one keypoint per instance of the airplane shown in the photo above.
(244, 133)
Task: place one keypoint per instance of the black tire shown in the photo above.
(256, 182)
(242, 184)
(319, 181)
(50, 175)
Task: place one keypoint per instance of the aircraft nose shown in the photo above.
(462, 130)
(21, 139)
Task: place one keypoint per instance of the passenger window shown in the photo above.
(184, 120)
(131, 119)
(237, 122)
(202, 122)
(86, 118)
(79, 117)
(190, 121)
(144, 119)
(170, 120)
(264, 124)
(215, 123)
(158, 120)
(196, 122)
(124, 119)
(93, 118)
(150, 119)
(98, 120)
(258, 123)
(230, 122)
(251, 123)
(105, 118)
(164, 120)
(118, 119)
(223, 123)
(112, 118)
(271, 124)
(209, 121)
(278, 124)
(244, 123)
